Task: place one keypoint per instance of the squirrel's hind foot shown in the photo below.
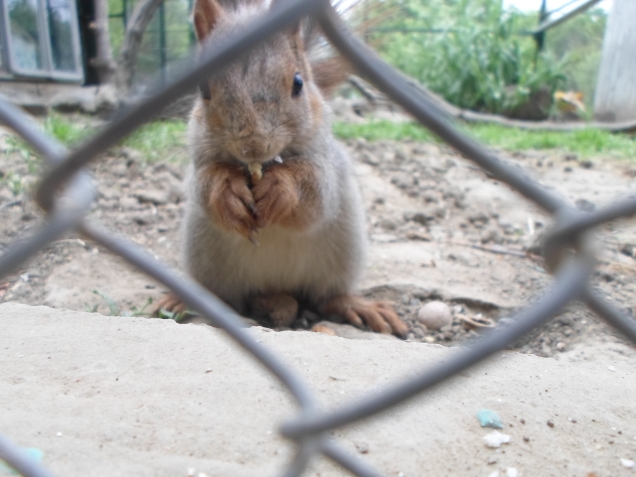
(279, 308)
(378, 315)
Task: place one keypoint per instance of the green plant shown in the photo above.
(157, 140)
(577, 45)
(586, 142)
(160, 140)
(176, 316)
(17, 183)
(467, 51)
(66, 131)
(379, 130)
(115, 310)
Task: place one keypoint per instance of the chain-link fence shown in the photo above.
(66, 194)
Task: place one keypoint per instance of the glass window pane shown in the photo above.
(60, 28)
(25, 36)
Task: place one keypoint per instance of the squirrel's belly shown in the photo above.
(317, 265)
(286, 260)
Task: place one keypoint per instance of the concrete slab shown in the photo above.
(146, 397)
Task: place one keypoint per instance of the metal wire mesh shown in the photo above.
(66, 194)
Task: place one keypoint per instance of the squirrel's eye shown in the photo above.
(298, 85)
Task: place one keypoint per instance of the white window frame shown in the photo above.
(47, 71)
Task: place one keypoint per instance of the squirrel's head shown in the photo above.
(265, 102)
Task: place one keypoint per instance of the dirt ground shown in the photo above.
(439, 229)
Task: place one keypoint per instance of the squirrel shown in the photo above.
(273, 213)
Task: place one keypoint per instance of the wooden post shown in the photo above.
(615, 98)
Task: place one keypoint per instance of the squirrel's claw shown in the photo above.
(251, 206)
(252, 239)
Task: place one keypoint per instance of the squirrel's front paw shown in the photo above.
(230, 201)
(276, 196)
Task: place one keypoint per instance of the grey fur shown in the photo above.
(319, 263)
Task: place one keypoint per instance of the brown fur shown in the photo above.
(305, 212)
(204, 18)
(280, 308)
(379, 315)
(288, 195)
(225, 191)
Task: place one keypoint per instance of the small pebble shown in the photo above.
(435, 315)
(362, 447)
(512, 472)
(496, 438)
(526, 439)
(628, 463)
(550, 423)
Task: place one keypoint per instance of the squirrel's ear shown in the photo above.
(205, 14)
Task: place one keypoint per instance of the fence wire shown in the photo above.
(66, 194)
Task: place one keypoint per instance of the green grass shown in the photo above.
(585, 143)
(166, 139)
(160, 140)
(382, 130)
(65, 131)
(155, 141)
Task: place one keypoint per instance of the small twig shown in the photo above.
(609, 262)
(499, 250)
(11, 204)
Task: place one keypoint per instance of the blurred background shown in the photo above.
(524, 59)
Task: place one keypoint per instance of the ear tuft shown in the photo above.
(205, 15)
(331, 73)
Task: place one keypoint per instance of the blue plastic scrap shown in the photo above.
(488, 418)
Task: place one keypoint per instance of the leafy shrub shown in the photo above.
(469, 52)
(577, 44)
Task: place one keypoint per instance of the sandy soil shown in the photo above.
(439, 228)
